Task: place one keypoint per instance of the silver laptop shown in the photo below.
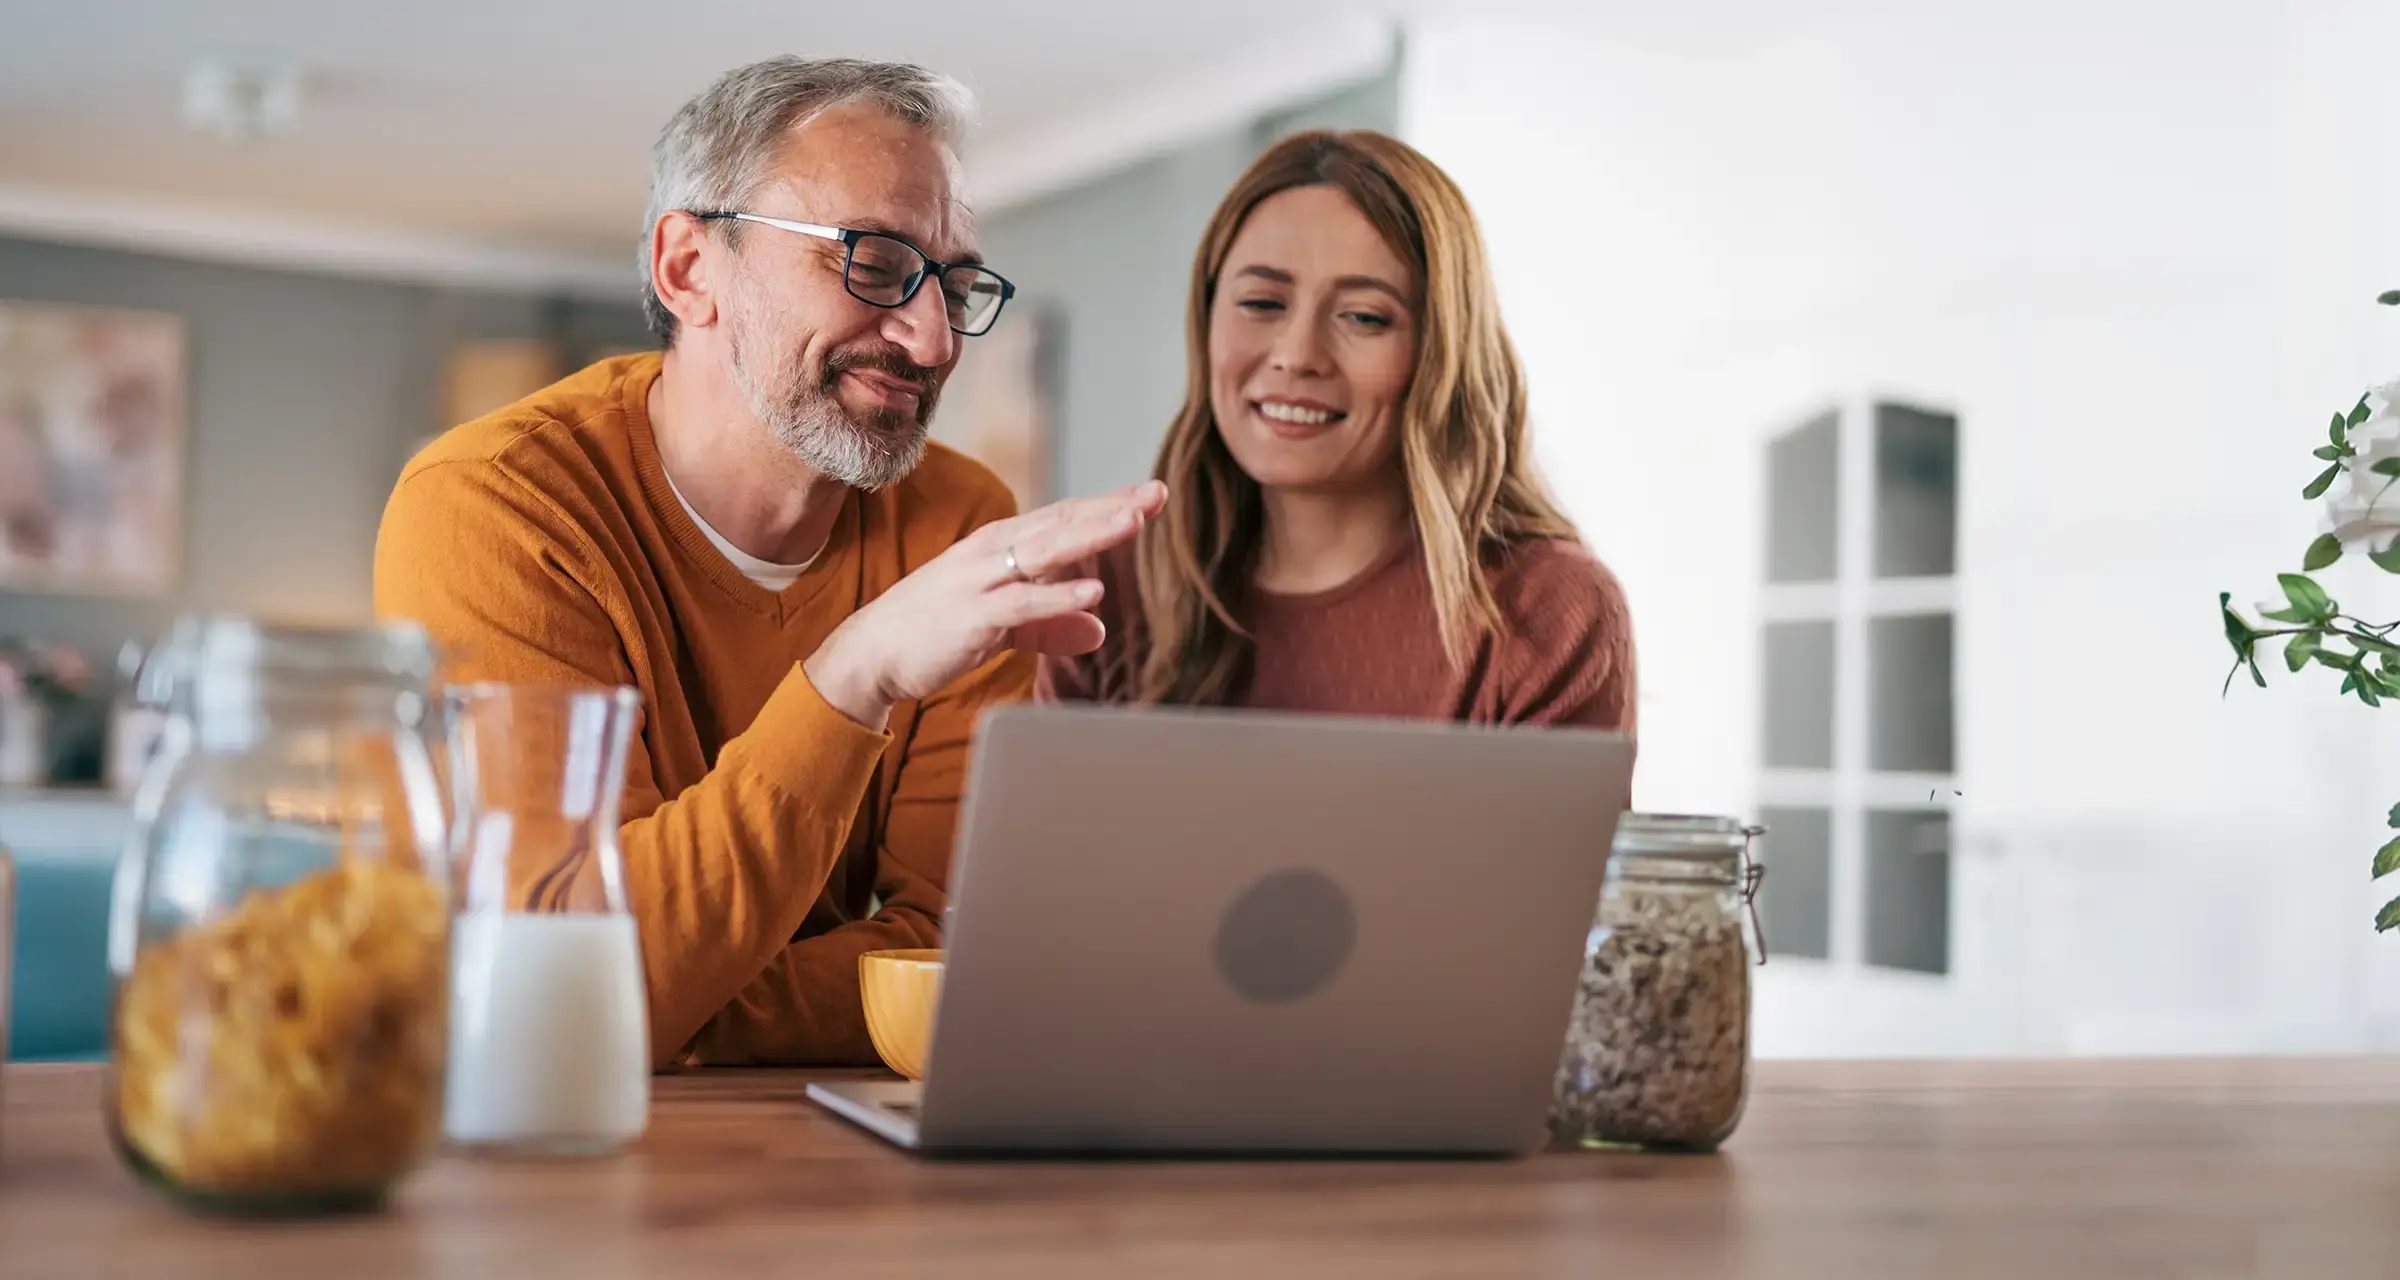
(1203, 931)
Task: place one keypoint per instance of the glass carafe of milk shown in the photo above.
(549, 1032)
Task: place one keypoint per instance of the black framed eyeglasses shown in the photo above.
(886, 271)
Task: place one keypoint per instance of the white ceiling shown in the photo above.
(527, 123)
(506, 141)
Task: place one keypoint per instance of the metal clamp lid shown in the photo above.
(1753, 874)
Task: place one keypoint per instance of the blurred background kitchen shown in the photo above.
(1924, 371)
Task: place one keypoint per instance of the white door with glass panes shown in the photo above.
(1872, 951)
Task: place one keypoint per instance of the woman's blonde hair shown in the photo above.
(1473, 487)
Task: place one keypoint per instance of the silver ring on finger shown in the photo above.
(1016, 572)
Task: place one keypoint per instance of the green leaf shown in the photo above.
(2317, 487)
(2389, 297)
(2387, 860)
(2389, 917)
(2366, 690)
(2387, 559)
(2245, 645)
(2306, 597)
(2336, 660)
(2324, 551)
(2386, 467)
(2283, 615)
(2394, 820)
(2376, 643)
(2350, 683)
(2329, 452)
(2236, 630)
(2358, 413)
(2297, 653)
(2339, 433)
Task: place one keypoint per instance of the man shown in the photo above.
(753, 531)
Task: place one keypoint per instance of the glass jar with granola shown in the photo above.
(1658, 1047)
(279, 939)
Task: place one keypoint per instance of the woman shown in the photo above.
(1356, 524)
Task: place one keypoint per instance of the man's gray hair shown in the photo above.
(715, 153)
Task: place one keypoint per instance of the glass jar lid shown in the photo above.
(1691, 849)
(202, 647)
(230, 668)
(1705, 842)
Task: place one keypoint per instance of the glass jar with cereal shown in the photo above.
(279, 939)
(1658, 1047)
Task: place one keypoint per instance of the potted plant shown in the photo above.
(2362, 455)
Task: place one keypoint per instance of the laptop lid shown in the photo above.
(1205, 930)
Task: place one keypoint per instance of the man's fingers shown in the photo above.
(1067, 635)
(1143, 500)
(1149, 497)
(1019, 603)
(1072, 540)
(1146, 497)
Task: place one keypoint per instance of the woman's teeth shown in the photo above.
(1293, 413)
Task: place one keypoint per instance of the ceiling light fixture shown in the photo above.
(241, 98)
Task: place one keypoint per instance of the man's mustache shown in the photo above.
(891, 362)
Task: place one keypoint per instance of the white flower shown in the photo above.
(2363, 508)
(2389, 393)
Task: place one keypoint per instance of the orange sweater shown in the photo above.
(760, 823)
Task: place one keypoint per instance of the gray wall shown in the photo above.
(306, 392)
(1112, 259)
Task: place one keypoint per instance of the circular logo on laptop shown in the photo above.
(1286, 936)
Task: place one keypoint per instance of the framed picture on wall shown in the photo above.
(92, 409)
(1000, 404)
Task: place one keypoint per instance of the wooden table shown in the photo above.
(2032, 1171)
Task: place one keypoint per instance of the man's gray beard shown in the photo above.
(811, 422)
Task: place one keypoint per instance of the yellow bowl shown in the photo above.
(901, 990)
